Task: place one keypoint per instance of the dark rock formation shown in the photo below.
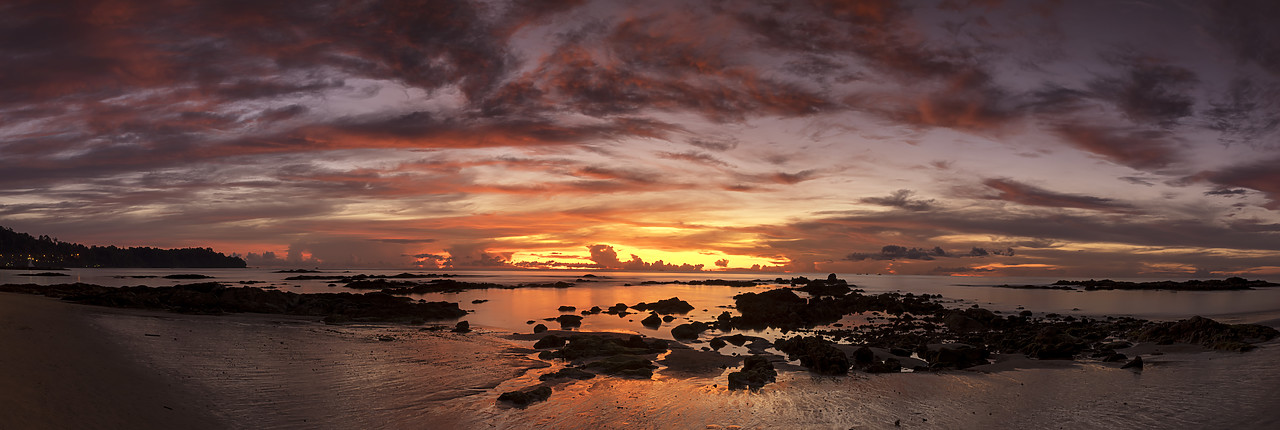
(525, 397)
(955, 355)
(815, 354)
(1232, 283)
(549, 341)
(756, 372)
(1206, 332)
(689, 331)
(1136, 363)
(625, 365)
(215, 298)
(567, 321)
(462, 327)
(539, 328)
(666, 306)
(652, 321)
(567, 373)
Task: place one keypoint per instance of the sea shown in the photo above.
(278, 372)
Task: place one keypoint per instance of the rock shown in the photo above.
(689, 331)
(863, 356)
(478, 301)
(756, 372)
(652, 321)
(539, 328)
(1206, 332)
(587, 346)
(568, 373)
(668, 318)
(890, 365)
(569, 320)
(618, 308)
(717, 343)
(524, 398)
(625, 365)
(549, 341)
(567, 309)
(462, 327)
(955, 355)
(737, 339)
(815, 354)
(1136, 363)
(666, 306)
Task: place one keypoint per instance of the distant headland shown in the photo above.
(23, 251)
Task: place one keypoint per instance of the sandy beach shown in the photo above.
(91, 367)
(58, 371)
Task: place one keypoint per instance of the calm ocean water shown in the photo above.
(511, 309)
(267, 373)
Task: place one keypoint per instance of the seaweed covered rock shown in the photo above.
(525, 397)
(756, 372)
(815, 354)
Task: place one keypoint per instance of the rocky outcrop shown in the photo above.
(214, 298)
(815, 354)
(666, 306)
(756, 372)
(1206, 332)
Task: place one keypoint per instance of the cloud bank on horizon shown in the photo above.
(954, 137)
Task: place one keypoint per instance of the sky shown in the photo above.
(953, 137)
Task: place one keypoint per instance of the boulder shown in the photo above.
(652, 321)
(525, 397)
(688, 331)
(569, 320)
(1136, 363)
(462, 327)
(756, 372)
(539, 328)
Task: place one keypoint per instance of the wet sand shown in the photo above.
(57, 371)
(89, 367)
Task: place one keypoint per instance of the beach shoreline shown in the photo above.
(61, 372)
(122, 367)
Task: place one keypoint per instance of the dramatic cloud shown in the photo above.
(1134, 138)
(1013, 191)
(900, 199)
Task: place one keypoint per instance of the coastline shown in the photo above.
(277, 371)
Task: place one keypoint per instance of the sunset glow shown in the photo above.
(985, 138)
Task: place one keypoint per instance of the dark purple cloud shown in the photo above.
(1017, 192)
